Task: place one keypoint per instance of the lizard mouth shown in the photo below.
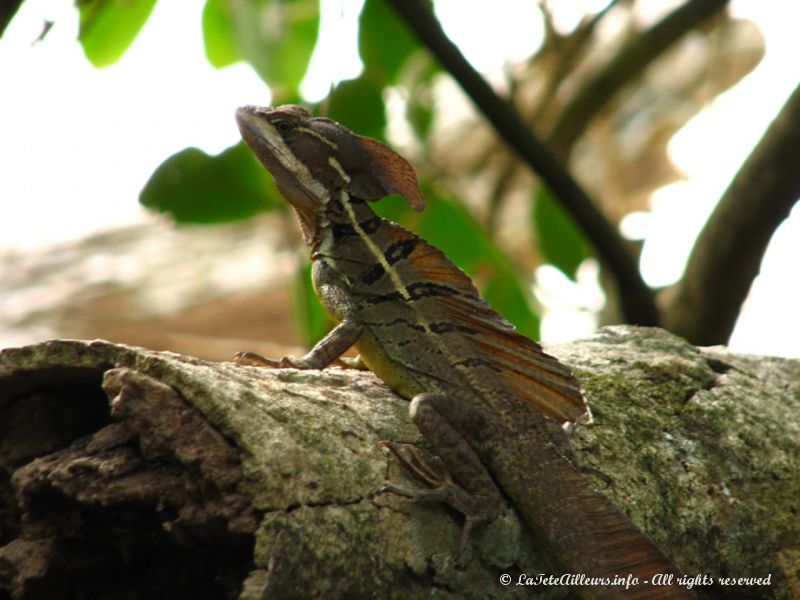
(298, 185)
(258, 133)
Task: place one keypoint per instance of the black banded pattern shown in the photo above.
(343, 230)
(400, 249)
(375, 272)
(416, 291)
(399, 321)
(395, 252)
(450, 327)
(477, 362)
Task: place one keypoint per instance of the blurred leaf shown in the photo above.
(561, 243)
(218, 34)
(506, 294)
(420, 116)
(420, 106)
(276, 37)
(312, 319)
(108, 27)
(451, 228)
(384, 41)
(395, 208)
(193, 187)
(357, 103)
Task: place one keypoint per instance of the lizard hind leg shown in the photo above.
(466, 485)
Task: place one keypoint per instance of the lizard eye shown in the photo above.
(283, 126)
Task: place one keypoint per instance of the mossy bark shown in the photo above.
(127, 473)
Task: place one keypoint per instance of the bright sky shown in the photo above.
(163, 96)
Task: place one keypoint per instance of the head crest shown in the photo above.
(386, 173)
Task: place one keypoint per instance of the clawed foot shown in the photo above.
(441, 489)
(416, 467)
(251, 359)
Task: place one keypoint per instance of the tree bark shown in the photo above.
(128, 473)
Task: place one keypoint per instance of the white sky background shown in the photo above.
(63, 176)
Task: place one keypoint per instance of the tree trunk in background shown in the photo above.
(128, 473)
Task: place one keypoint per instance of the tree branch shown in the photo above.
(630, 61)
(8, 8)
(636, 299)
(127, 473)
(726, 258)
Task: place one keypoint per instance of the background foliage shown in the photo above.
(540, 173)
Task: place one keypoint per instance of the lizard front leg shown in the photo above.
(466, 486)
(326, 351)
(335, 296)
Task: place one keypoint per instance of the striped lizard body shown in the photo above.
(488, 400)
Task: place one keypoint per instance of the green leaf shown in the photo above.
(504, 291)
(560, 241)
(420, 105)
(193, 187)
(312, 319)
(420, 115)
(452, 229)
(384, 41)
(108, 27)
(218, 34)
(276, 37)
(394, 208)
(357, 103)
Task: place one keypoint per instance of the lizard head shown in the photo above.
(313, 158)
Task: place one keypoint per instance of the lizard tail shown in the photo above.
(584, 532)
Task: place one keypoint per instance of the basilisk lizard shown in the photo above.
(487, 399)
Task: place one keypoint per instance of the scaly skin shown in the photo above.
(487, 399)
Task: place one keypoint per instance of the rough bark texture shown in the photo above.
(127, 473)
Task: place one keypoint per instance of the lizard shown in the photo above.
(488, 400)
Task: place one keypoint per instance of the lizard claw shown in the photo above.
(441, 489)
(391, 489)
(251, 359)
(433, 496)
(416, 467)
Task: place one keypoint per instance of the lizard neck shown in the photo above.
(341, 228)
